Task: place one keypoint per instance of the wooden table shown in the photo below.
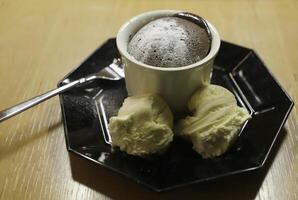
(40, 41)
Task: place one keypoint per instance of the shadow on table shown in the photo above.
(244, 186)
(17, 144)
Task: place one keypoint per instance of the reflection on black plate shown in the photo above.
(238, 69)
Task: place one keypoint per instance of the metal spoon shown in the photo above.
(197, 20)
(112, 72)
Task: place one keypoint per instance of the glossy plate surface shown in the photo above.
(86, 111)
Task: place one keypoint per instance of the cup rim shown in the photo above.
(145, 18)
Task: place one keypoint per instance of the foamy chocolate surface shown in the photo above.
(169, 42)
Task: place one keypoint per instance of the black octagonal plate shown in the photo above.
(87, 109)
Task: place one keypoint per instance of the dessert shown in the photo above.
(170, 42)
(215, 121)
(144, 123)
(143, 126)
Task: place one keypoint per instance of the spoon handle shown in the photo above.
(14, 110)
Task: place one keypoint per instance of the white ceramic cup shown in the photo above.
(175, 84)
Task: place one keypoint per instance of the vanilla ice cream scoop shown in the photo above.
(216, 119)
(143, 126)
(170, 42)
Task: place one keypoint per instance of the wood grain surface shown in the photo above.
(41, 41)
